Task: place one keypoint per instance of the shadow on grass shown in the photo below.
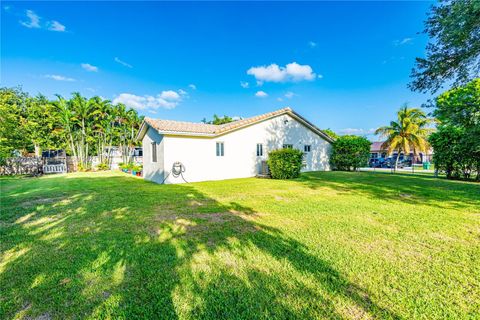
(124, 248)
(408, 188)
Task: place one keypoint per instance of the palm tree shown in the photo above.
(65, 116)
(408, 133)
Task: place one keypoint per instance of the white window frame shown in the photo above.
(259, 149)
(220, 149)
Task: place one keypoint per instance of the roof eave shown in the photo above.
(185, 133)
(142, 131)
(311, 126)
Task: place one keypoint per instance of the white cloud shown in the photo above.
(89, 67)
(356, 131)
(293, 72)
(312, 44)
(279, 99)
(55, 26)
(261, 94)
(289, 94)
(170, 95)
(182, 92)
(58, 77)
(192, 86)
(166, 99)
(123, 63)
(33, 20)
(320, 76)
(244, 84)
(402, 42)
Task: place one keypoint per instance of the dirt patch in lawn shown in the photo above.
(40, 201)
(199, 224)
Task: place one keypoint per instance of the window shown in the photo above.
(373, 155)
(307, 148)
(259, 149)
(288, 146)
(220, 149)
(154, 152)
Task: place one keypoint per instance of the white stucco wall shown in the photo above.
(198, 154)
(153, 171)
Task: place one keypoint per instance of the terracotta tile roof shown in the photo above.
(209, 129)
(203, 129)
(376, 146)
(181, 126)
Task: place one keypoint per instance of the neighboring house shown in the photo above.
(114, 151)
(203, 152)
(377, 152)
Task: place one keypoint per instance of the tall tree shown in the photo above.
(39, 123)
(408, 133)
(458, 113)
(331, 133)
(66, 124)
(453, 53)
(13, 136)
(219, 120)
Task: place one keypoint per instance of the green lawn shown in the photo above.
(329, 245)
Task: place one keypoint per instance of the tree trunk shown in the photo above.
(396, 161)
(37, 150)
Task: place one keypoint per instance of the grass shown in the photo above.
(328, 245)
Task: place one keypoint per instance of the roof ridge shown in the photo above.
(208, 128)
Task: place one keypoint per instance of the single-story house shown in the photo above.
(176, 152)
(377, 152)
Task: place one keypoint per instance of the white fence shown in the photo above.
(54, 168)
(35, 166)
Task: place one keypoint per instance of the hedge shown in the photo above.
(285, 163)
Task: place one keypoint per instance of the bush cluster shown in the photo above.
(285, 163)
(350, 152)
(456, 144)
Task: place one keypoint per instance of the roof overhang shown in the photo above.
(287, 111)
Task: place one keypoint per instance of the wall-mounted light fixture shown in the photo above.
(285, 121)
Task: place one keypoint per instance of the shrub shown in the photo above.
(454, 152)
(103, 166)
(136, 168)
(285, 163)
(456, 144)
(350, 152)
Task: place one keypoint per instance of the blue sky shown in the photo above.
(343, 65)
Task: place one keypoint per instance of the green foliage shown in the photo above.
(219, 120)
(137, 168)
(454, 50)
(82, 126)
(285, 163)
(408, 133)
(350, 152)
(331, 133)
(12, 115)
(459, 107)
(457, 143)
(103, 166)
